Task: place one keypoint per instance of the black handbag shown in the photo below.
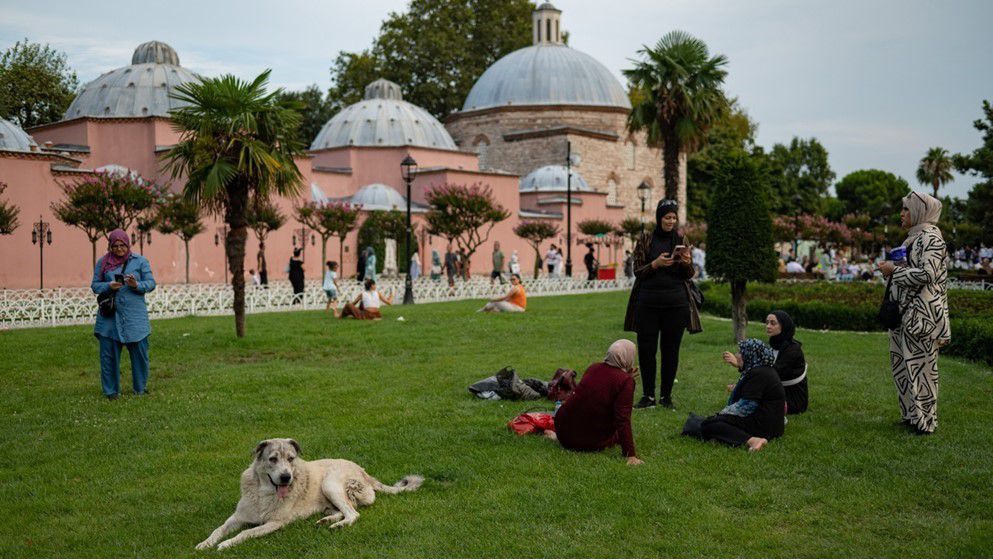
(695, 293)
(107, 301)
(889, 315)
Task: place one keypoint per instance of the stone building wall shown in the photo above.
(519, 140)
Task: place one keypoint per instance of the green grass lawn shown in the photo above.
(153, 476)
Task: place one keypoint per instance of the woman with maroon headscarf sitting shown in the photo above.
(598, 413)
(125, 278)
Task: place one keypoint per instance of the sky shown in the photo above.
(878, 82)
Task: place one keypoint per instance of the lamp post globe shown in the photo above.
(644, 193)
(407, 169)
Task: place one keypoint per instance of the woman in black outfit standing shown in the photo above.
(296, 276)
(659, 306)
(791, 365)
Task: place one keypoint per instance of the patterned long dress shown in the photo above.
(920, 290)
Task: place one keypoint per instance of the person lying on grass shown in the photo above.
(515, 301)
(757, 405)
(370, 301)
(598, 413)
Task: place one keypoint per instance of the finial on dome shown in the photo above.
(545, 28)
(155, 52)
(383, 89)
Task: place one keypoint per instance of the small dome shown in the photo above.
(14, 139)
(116, 170)
(378, 196)
(547, 6)
(142, 89)
(552, 178)
(383, 118)
(155, 52)
(546, 74)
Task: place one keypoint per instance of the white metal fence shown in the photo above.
(72, 306)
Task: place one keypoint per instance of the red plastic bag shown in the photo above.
(531, 422)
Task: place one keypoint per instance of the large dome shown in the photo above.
(139, 90)
(13, 138)
(552, 178)
(546, 74)
(383, 118)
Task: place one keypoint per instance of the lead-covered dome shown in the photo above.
(383, 118)
(378, 196)
(552, 178)
(14, 139)
(140, 90)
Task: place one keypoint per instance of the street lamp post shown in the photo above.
(222, 236)
(408, 167)
(40, 234)
(644, 193)
(568, 209)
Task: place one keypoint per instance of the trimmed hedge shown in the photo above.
(853, 307)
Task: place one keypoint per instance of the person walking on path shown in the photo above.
(126, 277)
(659, 306)
(497, 264)
(917, 285)
(296, 275)
(370, 264)
(331, 287)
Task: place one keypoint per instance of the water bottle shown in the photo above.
(558, 404)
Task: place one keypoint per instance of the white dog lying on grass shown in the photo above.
(279, 487)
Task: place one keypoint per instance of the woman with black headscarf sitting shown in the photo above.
(755, 410)
(659, 305)
(790, 362)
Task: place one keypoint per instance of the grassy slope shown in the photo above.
(153, 476)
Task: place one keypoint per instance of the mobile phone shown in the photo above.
(119, 278)
(680, 248)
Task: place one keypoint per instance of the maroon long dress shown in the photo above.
(598, 413)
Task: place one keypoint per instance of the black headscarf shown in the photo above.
(664, 241)
(785, 336)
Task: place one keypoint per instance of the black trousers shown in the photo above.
(659, 329)
(717, 429)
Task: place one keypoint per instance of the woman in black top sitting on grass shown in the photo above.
(790, 362)
(755, 410)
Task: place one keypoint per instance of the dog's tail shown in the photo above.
(408, 483)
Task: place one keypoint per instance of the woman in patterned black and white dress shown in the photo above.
(919, 288)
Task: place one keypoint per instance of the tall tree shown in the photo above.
(464, 215)
(8, 214)
(980, 163)
(935, 169)
(877, 193)
(535, 233)
(435, 50)
(86, 206)
(237, 142)
(36, 84)
(316, 108)
(800, 174)
(733, 130)
(739, 237)
(184, 218)
(681, 98)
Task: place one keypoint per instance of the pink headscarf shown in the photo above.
(110, 260)
(621, 354)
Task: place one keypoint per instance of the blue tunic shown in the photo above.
(130, 323)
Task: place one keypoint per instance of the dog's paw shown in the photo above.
(343, 522)
(334, 517)
(226, 544)
(205, 545)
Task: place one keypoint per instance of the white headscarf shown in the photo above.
(621, 354)
(924, 210)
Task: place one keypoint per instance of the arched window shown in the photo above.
(481, 145)
(612, 192)
(548, 29)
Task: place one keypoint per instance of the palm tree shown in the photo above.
(679, 95)
(237, 144)
(935, 169)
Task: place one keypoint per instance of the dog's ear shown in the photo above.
(260, 448)
(296, 446)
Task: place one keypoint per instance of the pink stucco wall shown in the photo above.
(132, 143)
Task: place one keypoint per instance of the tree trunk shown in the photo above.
(537, 262)
(670, 164)
(341, 255)
(186, 245)
(324, 253)
(936, 185)
(235, 245)
(93, 243)
(739, 309)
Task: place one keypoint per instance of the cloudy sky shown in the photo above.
(877, 81)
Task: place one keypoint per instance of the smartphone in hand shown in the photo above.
(119, 278)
